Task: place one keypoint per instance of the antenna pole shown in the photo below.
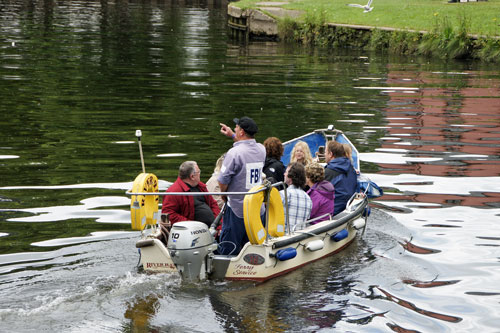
(138, 134)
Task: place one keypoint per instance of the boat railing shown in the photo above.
(193, 194)
(267, 187)
(289, 230)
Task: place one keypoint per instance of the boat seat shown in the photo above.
(330, 137)
(320, 154)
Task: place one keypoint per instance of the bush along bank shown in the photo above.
(444, 40)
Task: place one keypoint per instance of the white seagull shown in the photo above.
(366, 7)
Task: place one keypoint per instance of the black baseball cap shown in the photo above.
(247, 124)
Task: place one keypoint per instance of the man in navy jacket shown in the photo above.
(340, 172)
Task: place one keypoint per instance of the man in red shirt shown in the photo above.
(202, 208)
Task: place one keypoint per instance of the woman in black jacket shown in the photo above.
(273, 167)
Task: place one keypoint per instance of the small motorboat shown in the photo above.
(189, 248)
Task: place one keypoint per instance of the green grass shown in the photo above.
(483, 18)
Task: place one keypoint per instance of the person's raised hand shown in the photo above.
(226, 130)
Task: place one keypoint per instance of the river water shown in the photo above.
(77, 78)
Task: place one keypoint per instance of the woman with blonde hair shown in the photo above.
(301, 153)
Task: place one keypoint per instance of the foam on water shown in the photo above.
(395, 158)
(86, 210)
(433, 184)
(94, 236)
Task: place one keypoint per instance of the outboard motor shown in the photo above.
(190, 244)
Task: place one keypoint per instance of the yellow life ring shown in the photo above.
(144, 208)
(251, 214)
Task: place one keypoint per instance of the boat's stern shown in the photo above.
(155, 257)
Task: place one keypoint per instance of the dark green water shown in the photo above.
(77, 78)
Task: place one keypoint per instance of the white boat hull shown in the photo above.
(240, 269)
(259, 262)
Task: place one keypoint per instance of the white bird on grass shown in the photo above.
(366, 7)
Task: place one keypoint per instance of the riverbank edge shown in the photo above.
(275, 23)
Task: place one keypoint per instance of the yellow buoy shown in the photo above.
(251, 214)
(144, 208)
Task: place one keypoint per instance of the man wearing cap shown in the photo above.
(241, 170)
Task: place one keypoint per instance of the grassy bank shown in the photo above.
(454, 30)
